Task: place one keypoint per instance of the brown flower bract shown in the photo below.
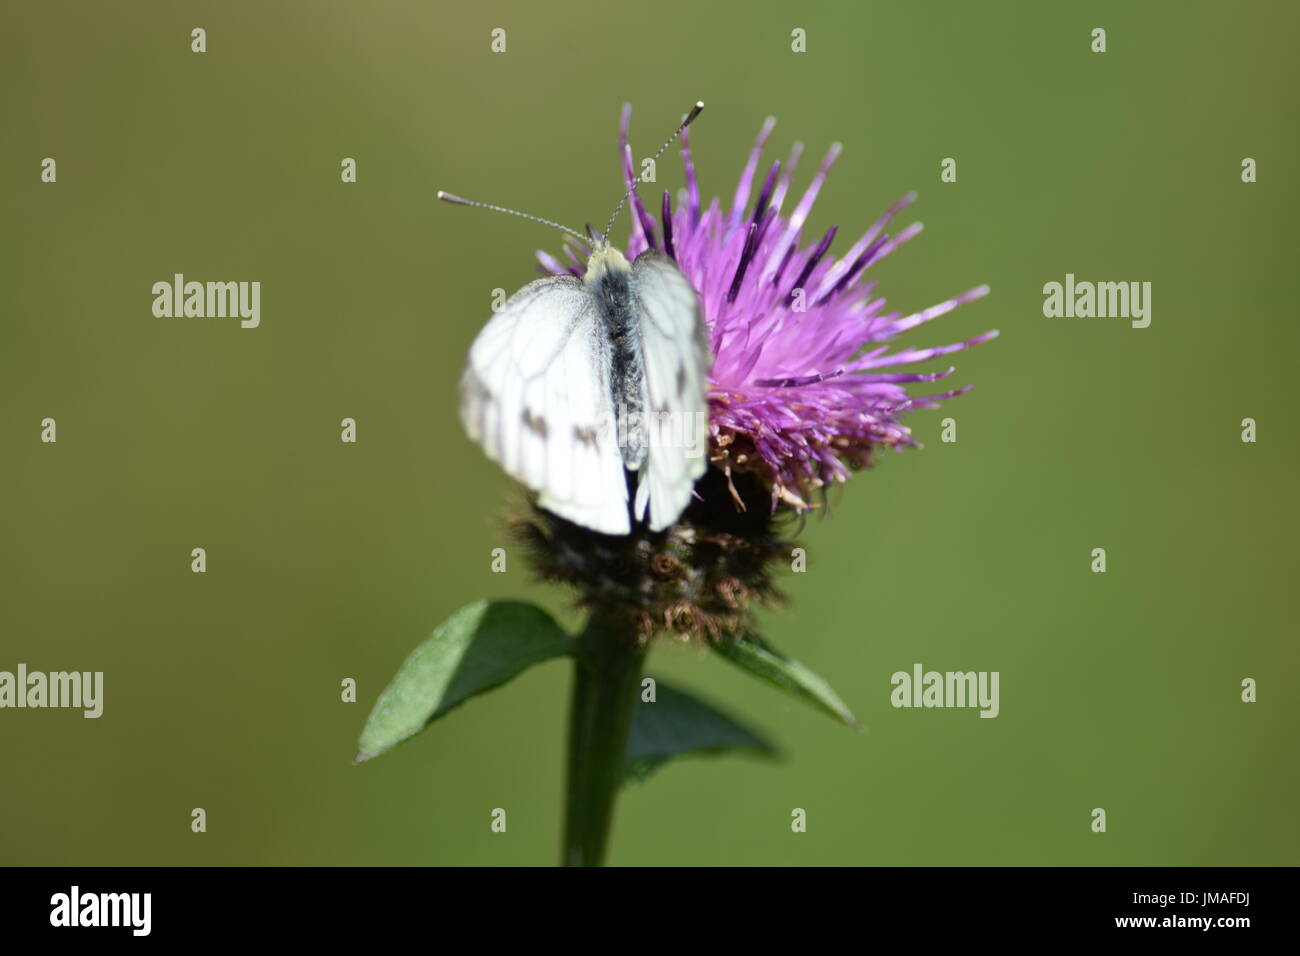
(698, 580)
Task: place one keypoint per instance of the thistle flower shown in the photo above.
(803, 389)
(803, 386)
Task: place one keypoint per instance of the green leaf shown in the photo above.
(676, 724)
(751, 653)
(480, 646)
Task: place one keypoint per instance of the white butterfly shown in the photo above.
(584, 388)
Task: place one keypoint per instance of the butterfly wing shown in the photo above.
(535, 395)
(677, 360)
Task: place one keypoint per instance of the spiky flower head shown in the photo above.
(804, 386)
(803, 389)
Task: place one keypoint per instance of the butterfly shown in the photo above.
(591, 390)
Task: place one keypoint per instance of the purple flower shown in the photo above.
(803, 385)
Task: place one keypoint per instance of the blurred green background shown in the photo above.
(328, 560)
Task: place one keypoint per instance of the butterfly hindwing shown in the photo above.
(535, 395)
(677, 360)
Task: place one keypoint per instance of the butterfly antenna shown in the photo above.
(457, 200)
(690, 118)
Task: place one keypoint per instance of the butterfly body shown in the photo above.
(591, 391)
(609, 281)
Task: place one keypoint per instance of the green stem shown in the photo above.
(606, 684)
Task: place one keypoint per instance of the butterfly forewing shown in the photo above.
(535, 394)
(677, 360)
